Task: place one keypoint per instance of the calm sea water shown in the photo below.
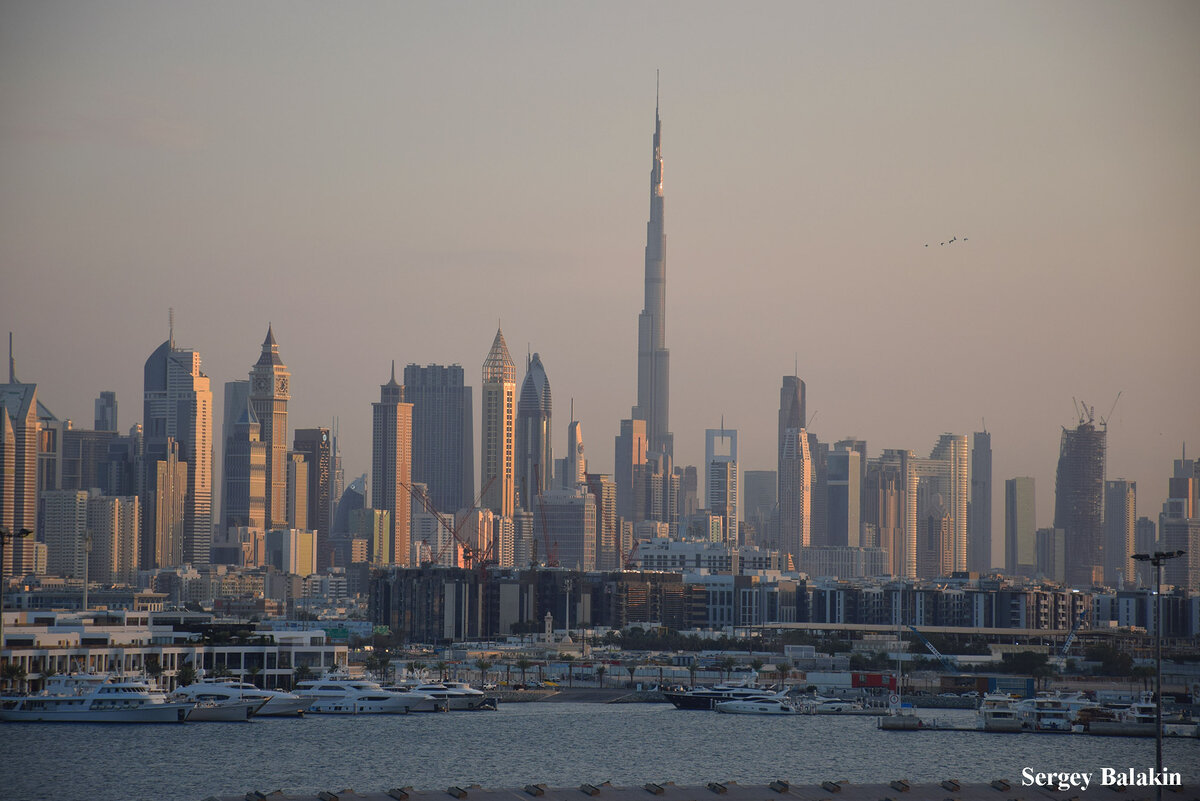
(559, 744)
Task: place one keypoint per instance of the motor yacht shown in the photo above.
(764, 706)
(451, 695)
(708, 697)
(342, 695)
(95, 698)
(997, 714)
(273, 703)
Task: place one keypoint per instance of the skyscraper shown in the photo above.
(795, 494)
(791, 417)
(574, 463)
(629, 463)
(106, 412)
(1020, 527)
(1078, 502)
(954, 485)
(534, 458)
(18, 453)
(1120, 516)
(604, 491)
(245, 476)
(498, 431)
(843, 492)
(269, 394)
(721, 479)
(979, 515)
(316, 445)
(391, 469)
(177, 407)
(443, 434)
(654, 360)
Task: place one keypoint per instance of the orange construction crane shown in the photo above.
(470, 551)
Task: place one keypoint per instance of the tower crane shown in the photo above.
(551, 548)
(470, 552)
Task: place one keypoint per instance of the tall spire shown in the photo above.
(12, 363)
(653, 357)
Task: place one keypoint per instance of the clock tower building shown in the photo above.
(270, 391)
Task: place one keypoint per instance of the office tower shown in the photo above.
(64, 528)
(819, 523)
(353, 499)
(292, 551)
(317, 447)
(689, 490)
(269, 394)
(1078, 502)
(843, 493)
(1020, 527)
(177, 408)
(721, 478)
(18, 451)
(630, 460)
(236, 401)
(574, 463)
(1183, 487)
(979, 513)
(891, 509)
(1052, 554)
(1145, 540)
(954, 485)
(567, 519)
(791, 417)
(1179, 525)
(245, 479)
(795, 495)
(1120, 513)
(443, 434)
(106, 412)
(525, 547)
(114, 525)
(83, 458)
(499, 429)
(654, 360)
(758, 500)
(121, 470)
(604, 490)
(296, 498)
(534, 458)
(391, 469)
(168, 503)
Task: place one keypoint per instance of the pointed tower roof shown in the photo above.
(270, 350)
(498, 367)
(535, 390)
(392, 381)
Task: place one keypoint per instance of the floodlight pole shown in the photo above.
(5, 536)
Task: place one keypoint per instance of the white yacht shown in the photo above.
(450, 695)
(762, 706)
(1046, 713)
(270, 702)
(340, 695)
(95, 698)
(997, 713)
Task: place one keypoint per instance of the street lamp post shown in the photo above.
(1157, 558)
(5, 536)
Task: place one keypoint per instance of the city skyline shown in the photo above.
(139, 179)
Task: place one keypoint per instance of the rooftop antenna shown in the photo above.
(572, 408)
(796, 365)
(12, 363)
(171, 328)
(656, 94)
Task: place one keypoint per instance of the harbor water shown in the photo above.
(559, 744)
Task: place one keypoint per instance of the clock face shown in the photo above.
(281, 385)
(260, 383)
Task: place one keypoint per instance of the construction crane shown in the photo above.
(1062, 654)
(551, 549)
(945, 660)
(471, 552)
(1104, 420)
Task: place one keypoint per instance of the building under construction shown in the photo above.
(1079, 500)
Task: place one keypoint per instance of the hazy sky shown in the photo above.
(387, 180)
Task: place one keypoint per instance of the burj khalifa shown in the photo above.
(654, 360)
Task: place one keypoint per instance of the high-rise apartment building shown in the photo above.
(316, 444)
(534, 458)
(18, 455)
(979, 514)
(168, 531)
(498, 431)
(654, 359)
(604, 491)
(391, 470)
(296, 498)
(628, 463)
(113, 523)
(795, 494)
(575, 462)
(1179, 525)
(567, 519)
(1120, 516)
(443, 434)
(269, 394)
(891, 509)
(178, 408)
(245, 476)
(843, 493)
(64, 527)
(106, 412)
(83, 457)
(721, 479)
(758, 501)
(1145, 540)
(1020, 527)
(1078, 503)
(954, 485)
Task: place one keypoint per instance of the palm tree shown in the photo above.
(186, 675)
(302, 673)
(569, 659)
(693, 666)
(632, 668)
(784, 669)
(153, 667)
(600, 671)
(13, 673)
(523, 665)
(727, 665)
(441, 669)
(254, 670)
(483, 666)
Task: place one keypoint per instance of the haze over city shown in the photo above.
(388, 182)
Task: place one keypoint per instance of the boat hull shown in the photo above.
(233, 711)
(151, 713)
